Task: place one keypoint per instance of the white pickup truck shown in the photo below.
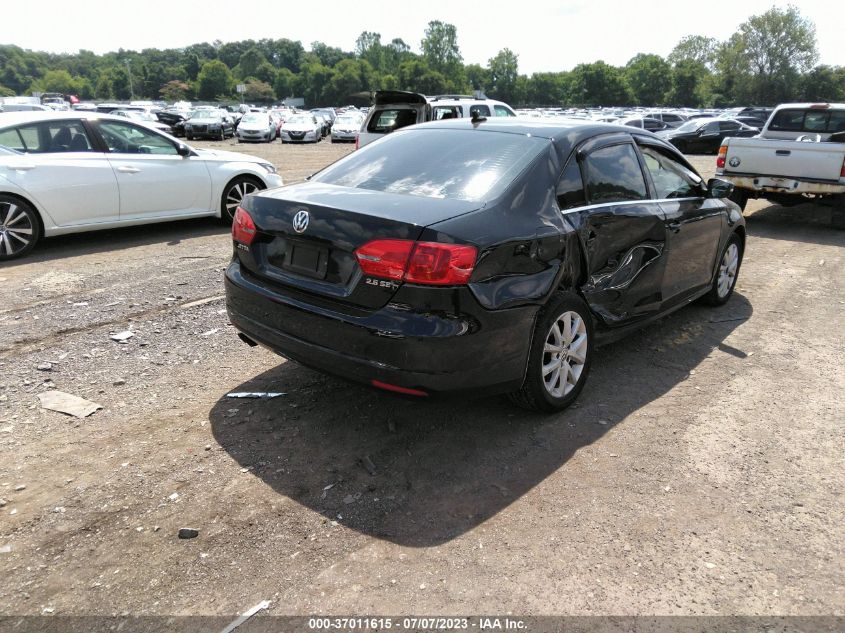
(798, 157)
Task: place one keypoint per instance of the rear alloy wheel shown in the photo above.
(725, 280)
(20, 229)
(560, 355)
(234, 194)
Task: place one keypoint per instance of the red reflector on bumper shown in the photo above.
(388, 387)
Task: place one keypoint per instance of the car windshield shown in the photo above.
(456, 164)
(348, 120)
(691, 126)
(140, 116)
(254, 118)
(301, 118)
(205, 114)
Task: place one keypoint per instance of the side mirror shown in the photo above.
(717, 188)
(183, 150)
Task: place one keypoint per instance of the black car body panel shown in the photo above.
(632, 260)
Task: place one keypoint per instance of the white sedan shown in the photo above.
(69, 172)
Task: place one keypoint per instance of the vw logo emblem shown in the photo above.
(300, 221)
(734, 161)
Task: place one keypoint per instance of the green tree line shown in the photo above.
(770, 59)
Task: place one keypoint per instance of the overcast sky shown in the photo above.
(546, 35)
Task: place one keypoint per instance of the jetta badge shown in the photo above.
(734, 161)
(300, 221)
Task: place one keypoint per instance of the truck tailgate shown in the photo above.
(794, 159)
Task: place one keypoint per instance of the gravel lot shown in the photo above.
(700, 473)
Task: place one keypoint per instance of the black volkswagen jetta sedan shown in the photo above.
(480, 256)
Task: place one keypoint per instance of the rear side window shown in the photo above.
(48, 137)
(384, 121)
(613, 174)
(11, 139)
(570, 187)
(729, 126)
(445, 112)
(479, 110)
(436, 163)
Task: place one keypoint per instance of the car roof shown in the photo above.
(569, 131)
(18, 118)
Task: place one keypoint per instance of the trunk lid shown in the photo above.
(794, 159)
(319, 259)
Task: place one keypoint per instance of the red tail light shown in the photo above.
(842, 171)
(385, 258)
(243, 228)
(357, 142)
(428, 263)
(720, 159)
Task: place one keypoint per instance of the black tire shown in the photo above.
(537, 393)
(222, 135)
(190, 137)
(20, 228)
(719, 295)
(740, 197)
(234, 193)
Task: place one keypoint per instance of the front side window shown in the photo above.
(671, 179)
(729, 126)
(437, 163)
(125, 138)
(613, 174)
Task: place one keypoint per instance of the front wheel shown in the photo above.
(20, 229)
(234, 194)
(725, 279)
(560, 355)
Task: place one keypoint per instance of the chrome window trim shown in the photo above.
(590, 207)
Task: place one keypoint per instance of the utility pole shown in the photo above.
(129, 73)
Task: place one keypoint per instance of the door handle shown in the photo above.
(125, 169)
(783, 152)
(675, 227)
(23, 167)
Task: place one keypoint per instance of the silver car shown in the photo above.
(346, 127)
(256, 127)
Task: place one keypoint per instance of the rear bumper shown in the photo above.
(479, 352)
(783, 184)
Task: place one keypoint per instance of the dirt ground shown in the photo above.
(701, 471)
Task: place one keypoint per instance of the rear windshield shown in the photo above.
(470, 165)
(812, 120)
